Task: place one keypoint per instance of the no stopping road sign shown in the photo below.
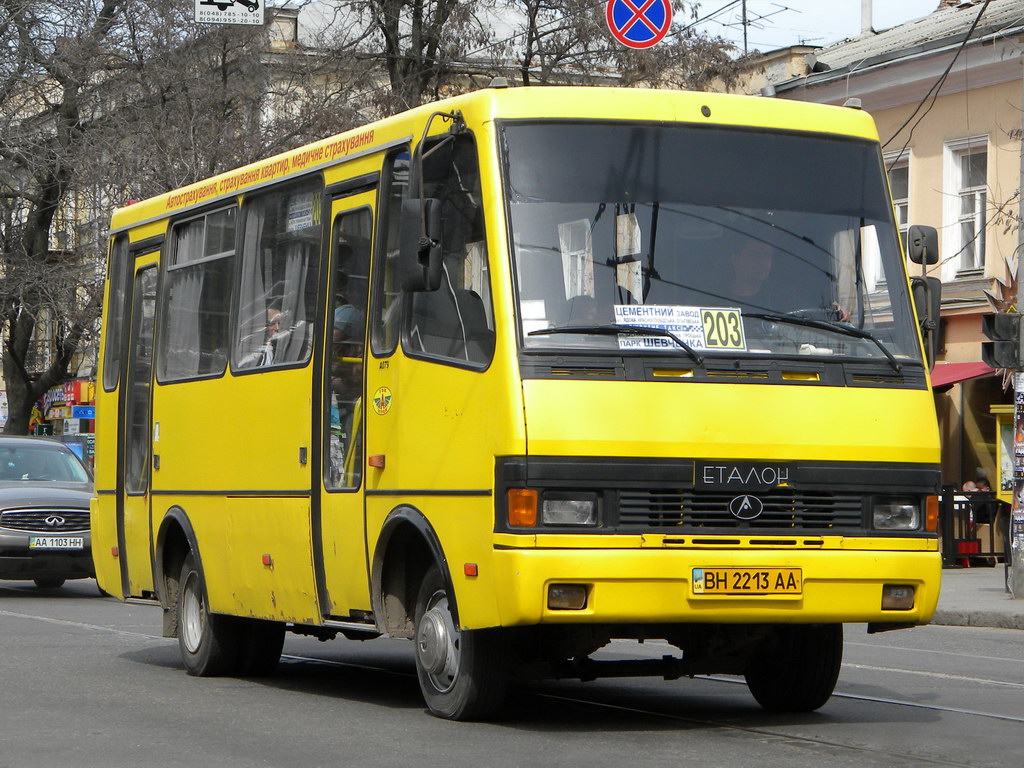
(639, 23)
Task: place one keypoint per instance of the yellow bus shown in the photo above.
(521, 372)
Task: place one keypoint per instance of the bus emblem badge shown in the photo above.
(382, 401)
(746, 507)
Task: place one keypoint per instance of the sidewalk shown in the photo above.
(977, 597)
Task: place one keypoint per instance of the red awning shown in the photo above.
(946, 375)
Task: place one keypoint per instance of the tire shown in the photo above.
(261, 644)
(798, 667)
(210, 644)
(51, 583)
(463, 674)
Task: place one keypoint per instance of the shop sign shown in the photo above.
(83, 411)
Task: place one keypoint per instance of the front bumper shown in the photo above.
(17, 561)
(655, 586)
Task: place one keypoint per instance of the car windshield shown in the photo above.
(40, 463)
(698, 231)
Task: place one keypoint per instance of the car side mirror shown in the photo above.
(419, 246)
(923, 244)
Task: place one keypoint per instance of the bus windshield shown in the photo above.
(734, 241)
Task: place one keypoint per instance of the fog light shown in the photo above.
(567, 597)
(897, 597)
(566, 510)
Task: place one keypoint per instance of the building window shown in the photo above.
(899, 185)
(966, 203)
(897, 166)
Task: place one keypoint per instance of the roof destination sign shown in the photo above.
(247, 12)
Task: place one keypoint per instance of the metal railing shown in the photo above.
(973, 528)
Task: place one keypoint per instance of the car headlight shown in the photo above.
(896, 515)
(569, 509)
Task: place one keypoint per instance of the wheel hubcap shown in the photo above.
(191, 613)
(437, 644)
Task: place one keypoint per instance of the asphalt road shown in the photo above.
(87, 681)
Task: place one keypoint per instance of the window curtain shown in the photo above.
(182, 358)
(295, 331)
(252, 311)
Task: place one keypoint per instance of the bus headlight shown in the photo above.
(889, 514)
(569, 509)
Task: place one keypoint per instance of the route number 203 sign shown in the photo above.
(723, 329)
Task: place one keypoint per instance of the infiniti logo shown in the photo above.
(746, 507)
(55, 521)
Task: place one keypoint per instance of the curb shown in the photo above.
(991, 619)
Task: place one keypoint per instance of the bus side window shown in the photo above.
(455, 322)
(347, 329)
(117, 277)
(194, 333)
(280, 262)
(387, 301)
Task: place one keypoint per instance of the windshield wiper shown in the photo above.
(615, 329)
(827, 325)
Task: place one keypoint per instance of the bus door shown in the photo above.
(338, 520)
(134, 533)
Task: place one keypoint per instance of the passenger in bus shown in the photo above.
(751, 267)
(757, 284)
(265, 354)
(346, 384)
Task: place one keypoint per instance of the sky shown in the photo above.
(779, 23)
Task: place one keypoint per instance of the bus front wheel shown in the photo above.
(463, 674)
(797, 668)
(209, 643)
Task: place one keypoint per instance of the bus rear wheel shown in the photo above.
(797, 668)
(210, 644)
(463, 674)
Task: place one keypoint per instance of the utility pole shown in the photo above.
(744, 22)
(1015, 546)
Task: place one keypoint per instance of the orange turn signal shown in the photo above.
(522, 508)
(931, 514)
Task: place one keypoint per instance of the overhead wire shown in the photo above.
(933, 92)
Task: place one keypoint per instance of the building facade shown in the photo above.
(946, 93)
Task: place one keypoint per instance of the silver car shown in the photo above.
(44, 512)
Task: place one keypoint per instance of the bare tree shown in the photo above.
(422, 46)
(52, 57)
(568, 41)
(102, 101)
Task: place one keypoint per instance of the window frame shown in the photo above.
(408, 299)
(169, 265)
(118, 261)
(954, 192)
(380, 345)
(323, 211)
(325, 458)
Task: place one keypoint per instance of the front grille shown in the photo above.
(35, 520)
(783, 510)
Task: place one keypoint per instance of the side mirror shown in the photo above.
(419, 244)
(928, 304)
(923, 244)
